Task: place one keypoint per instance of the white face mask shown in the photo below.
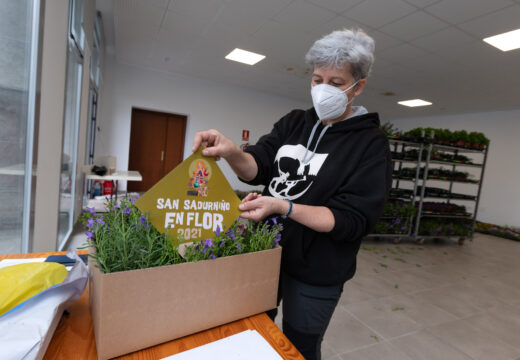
(329, 101)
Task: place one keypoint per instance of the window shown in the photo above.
(70, 132)
(75, 24)
(19, 23)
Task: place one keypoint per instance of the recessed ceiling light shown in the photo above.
(243, 56)
(414, 103)
(506, 41)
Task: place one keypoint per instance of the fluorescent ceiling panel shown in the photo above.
(414, 103)
(506, 41)
(243, 56)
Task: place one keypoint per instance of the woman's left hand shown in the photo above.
(257, 207)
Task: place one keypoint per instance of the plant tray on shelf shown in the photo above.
(462, 215)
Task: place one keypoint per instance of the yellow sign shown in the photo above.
(192, 201)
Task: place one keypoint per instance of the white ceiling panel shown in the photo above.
(280, 41)
(135, 51)
(413, 26)
(473, 54)
(372, 13)
(416, 55)
(300, 15)
(338, 6)
(163, 58)
(383, 41)
(193, 7)
(402, 53)
(443, 40)
(498, 22)
(182, 22)
(238, 18)
(317, 31)
(162, 4)
(458, 11)
(434, 64)
(422, 3)
(138, 13)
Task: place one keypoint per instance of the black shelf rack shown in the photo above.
(418, 193)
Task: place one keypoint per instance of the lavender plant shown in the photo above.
(124, 239)
(242, 237)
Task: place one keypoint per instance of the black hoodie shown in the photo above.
(350, 173)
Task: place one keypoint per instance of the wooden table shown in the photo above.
(74, 336)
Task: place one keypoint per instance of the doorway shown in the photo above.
(156, 146)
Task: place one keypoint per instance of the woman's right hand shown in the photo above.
(217, 145)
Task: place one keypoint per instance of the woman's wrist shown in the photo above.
(285, 207)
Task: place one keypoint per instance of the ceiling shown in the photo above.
(428, 49)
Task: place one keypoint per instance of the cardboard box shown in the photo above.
(132, 310)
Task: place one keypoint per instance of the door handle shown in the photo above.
(162, 155)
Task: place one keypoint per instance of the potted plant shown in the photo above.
(465, 138)
(142, 283)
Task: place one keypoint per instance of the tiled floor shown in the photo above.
(433, 301)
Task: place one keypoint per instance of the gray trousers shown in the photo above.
(307, 310)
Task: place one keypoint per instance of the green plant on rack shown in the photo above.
(396, 218)
(496, 230)
(444, 227)
(434, 174)
(458, 138)
(390, 131)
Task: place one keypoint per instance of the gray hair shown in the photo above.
(343, 47)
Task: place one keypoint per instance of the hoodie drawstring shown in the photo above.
(304, 160)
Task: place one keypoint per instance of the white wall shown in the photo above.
(207, 104)
(500, 201)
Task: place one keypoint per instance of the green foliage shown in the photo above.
(242, 237)
(399, 209)
(389, 129)
(444, 227)
(124, 239)
(496, 230)
(445, 136)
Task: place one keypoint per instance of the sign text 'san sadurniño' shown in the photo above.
(192, 201)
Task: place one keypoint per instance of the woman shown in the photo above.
(327, 172)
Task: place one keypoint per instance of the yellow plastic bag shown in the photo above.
(19, 283)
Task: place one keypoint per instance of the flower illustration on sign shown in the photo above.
(200, 174)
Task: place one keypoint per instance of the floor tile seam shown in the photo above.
(439, 308)
(379, 335)
(457, 317)
(330, 346)
(449, 344)
(362, 300)
(498, 339)
(371, 345)
(414, 292)
(466, 317)
(390, 340)
(367, 300)
(498, 298)
(433, 288)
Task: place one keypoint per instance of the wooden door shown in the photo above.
(156, 146)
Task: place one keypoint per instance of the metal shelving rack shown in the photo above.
(428, 145)
(399, 146)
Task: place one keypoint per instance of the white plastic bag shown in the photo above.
(23, 331)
